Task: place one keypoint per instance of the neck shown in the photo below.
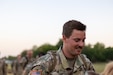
(67, 55)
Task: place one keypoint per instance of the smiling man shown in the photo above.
(68, 60)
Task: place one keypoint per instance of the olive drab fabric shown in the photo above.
(55, 63)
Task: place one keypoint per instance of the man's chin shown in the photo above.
(78, 53)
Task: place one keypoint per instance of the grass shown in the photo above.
(9, 69)
(99, 67)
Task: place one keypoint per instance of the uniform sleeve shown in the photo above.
(43, 66)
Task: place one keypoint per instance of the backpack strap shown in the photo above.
(88, 65)
(54, 60)
(83, 60)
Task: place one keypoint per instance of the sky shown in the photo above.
(25, 23)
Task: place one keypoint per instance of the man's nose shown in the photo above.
(81, 43)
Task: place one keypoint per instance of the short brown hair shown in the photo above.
(71, 25)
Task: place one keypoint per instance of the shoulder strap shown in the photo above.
(53, 55)
(87, 63)
(83, 60)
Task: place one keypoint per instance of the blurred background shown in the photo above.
(37, 25)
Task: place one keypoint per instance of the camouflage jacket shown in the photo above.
(26, 64)
(55, 63)
(25, 60)
(17, 67)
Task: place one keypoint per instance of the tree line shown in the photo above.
(96, 53)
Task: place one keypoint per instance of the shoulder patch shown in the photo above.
(36, 72)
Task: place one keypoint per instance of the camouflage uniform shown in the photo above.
(29, 66)
(25, 60)
(55, 63)
(26, 64)
(17, 68)
(3, 67)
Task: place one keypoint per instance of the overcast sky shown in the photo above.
(25, 23)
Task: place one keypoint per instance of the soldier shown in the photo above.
(17, 68)
(68, 60)
(27, 61)
(3, 67)
(40, 54)
(29, 66)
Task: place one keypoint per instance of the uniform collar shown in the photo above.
(63, 59)
(78, 61)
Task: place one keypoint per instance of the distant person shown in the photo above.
(25, 61)
(40, 54)
(17, 68)
(68, 60)
(3, 67)
(108, 70)
(29, 66)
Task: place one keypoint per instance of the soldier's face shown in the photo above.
(75, 43)
(30, 53)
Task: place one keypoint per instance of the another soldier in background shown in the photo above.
(3, 67)
(40, 54)
(17, 68)
(29, 66)
(27, 61)
(68, 60)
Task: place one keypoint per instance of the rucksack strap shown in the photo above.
(83, 60)
(54, 61)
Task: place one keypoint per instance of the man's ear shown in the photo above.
(63, 37)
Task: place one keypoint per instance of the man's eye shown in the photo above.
(83, 40)
(76, 40)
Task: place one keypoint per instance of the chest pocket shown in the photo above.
(67, 72)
